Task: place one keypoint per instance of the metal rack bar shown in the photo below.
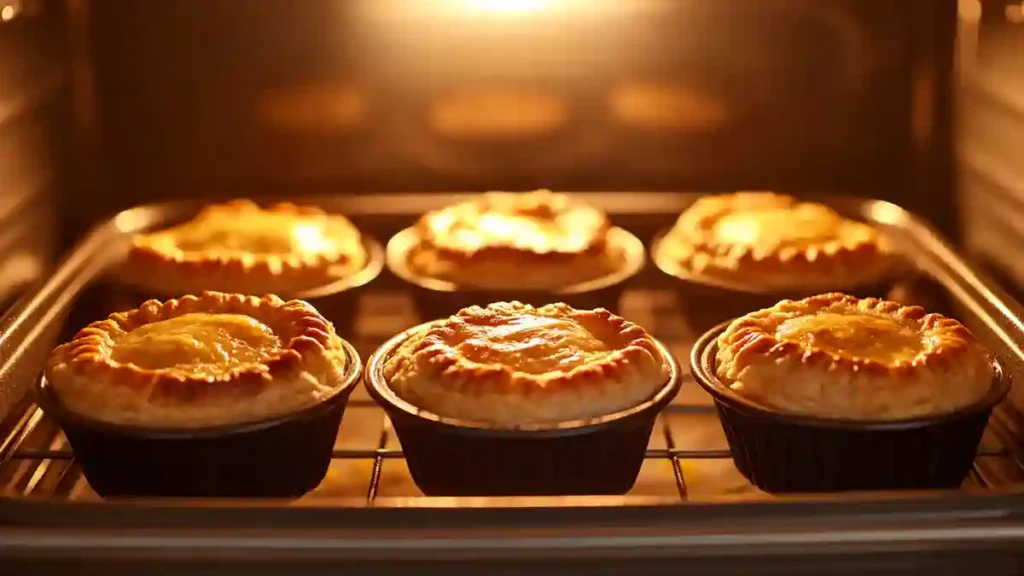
(677, 470)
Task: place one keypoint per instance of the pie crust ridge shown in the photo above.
(308, 367)
(431, 370)
(950, 371)
(852, 254)
(182, 271)
(527, 240)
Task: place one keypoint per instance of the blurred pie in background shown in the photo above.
(495, 113)
(666, 107)
(313, 108)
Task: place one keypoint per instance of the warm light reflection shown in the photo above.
(8, 12)
(508, 5)
(538, 221)
(310, 237)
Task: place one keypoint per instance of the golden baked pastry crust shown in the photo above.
(240, 247)
(200, 361)
(525, 240)
(514, 365)
(764, 241)
(836, 356)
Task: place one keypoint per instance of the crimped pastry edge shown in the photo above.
(310, 368)
(426, 372)
(954, 373)
(836, 264)
(180, 272)
(489, 266)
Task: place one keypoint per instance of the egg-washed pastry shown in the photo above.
(496, 113)
(240, 247)
(836, 356)
(512, 365)
(666, 107)
(199, 361)
(526, 240)
(765, 241)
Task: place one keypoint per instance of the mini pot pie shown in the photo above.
(835, 356)
(516, 399)
(763, 241)
(240, 247)
(199, 375)
(520, 240)
(834, 392)
(513, 365)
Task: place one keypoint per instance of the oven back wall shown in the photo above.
(243, 97)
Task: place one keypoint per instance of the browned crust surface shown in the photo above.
(159, 263)
(950, 370)
(432, 371)
(308, 366)
(537, 240)
(851, 253)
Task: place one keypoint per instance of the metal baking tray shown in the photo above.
(688, 500)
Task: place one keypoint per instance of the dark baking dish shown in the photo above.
(337, 301)
(793, 453)
(452, 457)
(439, 298)
(706, 302)
(284, 457)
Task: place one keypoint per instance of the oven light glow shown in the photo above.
(508, 5)
(8, 12)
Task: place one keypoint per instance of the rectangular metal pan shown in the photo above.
(688, 491)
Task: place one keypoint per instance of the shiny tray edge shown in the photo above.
(25, 327)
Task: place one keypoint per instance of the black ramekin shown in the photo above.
(439, 299)
(284, 457)
(794, 453)
(337, 301)
(453, 457)
(705, 302)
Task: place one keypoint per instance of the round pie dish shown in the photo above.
(210, 395)
(533, 247)
(512, 399)
(744, 251)
(298, 252)
(834, 393)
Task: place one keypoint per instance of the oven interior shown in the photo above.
(378, 108)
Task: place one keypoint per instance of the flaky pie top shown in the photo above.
(775, 241)
(838, 356)
(536, 239)
(197, 344)
(539, 222)
(512, 365)
(200, 361)
(240, 246)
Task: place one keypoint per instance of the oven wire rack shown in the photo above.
(687, 458)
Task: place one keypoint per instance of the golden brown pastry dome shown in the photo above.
(529, 240)
(767, 241)
(240, 247)
(200, 361)
(836, 356)
(513, 365)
